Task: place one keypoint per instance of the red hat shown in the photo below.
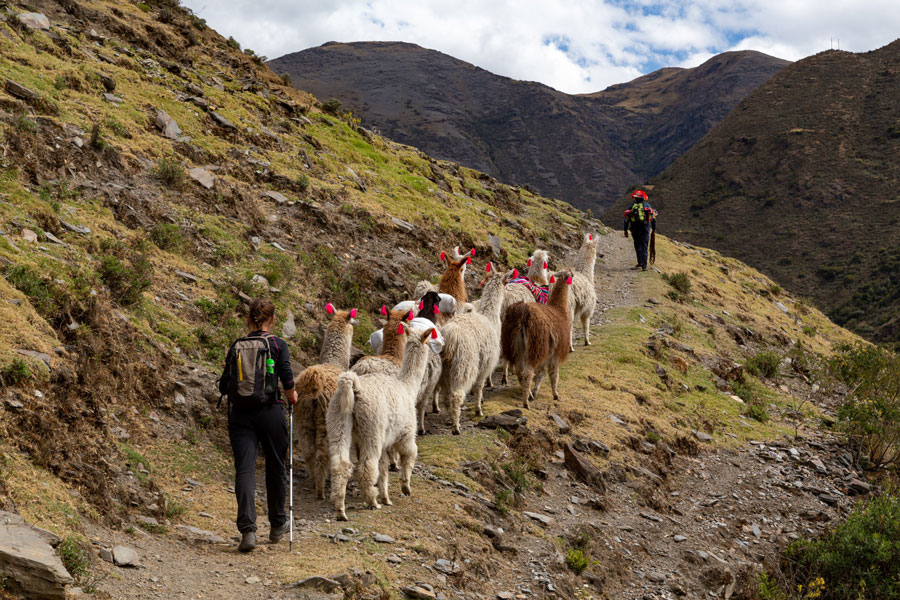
(640, 194)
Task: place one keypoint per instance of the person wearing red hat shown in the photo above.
(640, 218)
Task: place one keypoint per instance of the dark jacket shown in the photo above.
(649, 217)
(282, 357)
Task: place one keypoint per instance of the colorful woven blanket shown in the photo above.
(540, 293)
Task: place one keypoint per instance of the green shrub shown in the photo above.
(286, 79)
(680, 281)
(167, 236)
(135, 460)
(503, 501)
(869, 412)
(576, 560)
(332, 107)
(170, 171)
(144, 7)
(652, 437)
(745, 391)
(774, 289)
(763, 364)
(199, 23)
(278, 269)
(757, 410)
(859, 558)
(303, 182)
(116, 127)
(15, 373)
(233, 43)
(809, 330)
(39, 292)
(175, 508)
(127, 279)
(74, 558)
(23, 123)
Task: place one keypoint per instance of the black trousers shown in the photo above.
(640, 233)
(247, 430)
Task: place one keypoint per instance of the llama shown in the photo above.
(452, 281)
(535, 337)
(393, 342)
(583, 297)
(529, 289)
(315, 386)
(429, 308)
(471, 349)
(376, 414)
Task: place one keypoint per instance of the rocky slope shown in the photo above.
(800, 181)
(583, 149)
(153, 178)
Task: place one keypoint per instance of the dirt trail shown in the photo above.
(693, 523)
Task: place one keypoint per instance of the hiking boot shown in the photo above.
(248, 542)
(643, 268)
(277, 533)
(636, 267)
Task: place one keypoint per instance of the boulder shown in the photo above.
(221, 121)
(278, 197)
(27, 560)
(34, 20)
(124, 556)
(511, 420)
(20, 91)
(167, 125)
(289, 327)
(203, 177)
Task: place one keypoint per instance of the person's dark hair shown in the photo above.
(261, 310)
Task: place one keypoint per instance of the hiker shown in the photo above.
(641, 219)
(256, 415)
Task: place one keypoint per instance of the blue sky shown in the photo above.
(576, 46)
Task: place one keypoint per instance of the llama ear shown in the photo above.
(473, 251)
(352, 313)
(437, 309)
(384, 309)
(529, 262)
(443, 256)
(552, 279)
(488, 268)
(421, 305)
(469, 261)
(329, 308)
(515, 273)
(569, 280)
(400, 330)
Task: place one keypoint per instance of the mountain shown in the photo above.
(585, 149)
(800, 180)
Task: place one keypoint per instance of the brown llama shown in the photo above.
(315, 387)
(392, 345)
(535, 337)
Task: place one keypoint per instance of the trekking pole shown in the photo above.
(291, 482)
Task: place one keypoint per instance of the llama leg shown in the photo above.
(505, 380)
(368, 476)
(436, 409)
(553, 372)
(320, 461)
(538, 380)
(383, 477)
(456, 401)
(479, 394)
(586, 326)
(525, 379)
(395, 460)
(408, 452)
(340, 474)
(420, 414)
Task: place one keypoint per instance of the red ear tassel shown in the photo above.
(436, 309)
(552, 279)
(529, 262)
(421, 304)
(400, 329)
(488, 268)
(353, 313)
(469, 261)
(591, 237)
(434, 334)
(515, 273)
(329, 308)
(410, 316)
(545, 264)
(473, 251)
(569, 280)
(443, 256)
(384, 309)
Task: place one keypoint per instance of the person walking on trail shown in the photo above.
(640, 218)
(256, 416)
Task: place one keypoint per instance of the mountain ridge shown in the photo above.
(585, 149)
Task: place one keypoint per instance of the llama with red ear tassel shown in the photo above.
(583, 295)
(392, 345)
(533, 287)
(452, 283)
(471, 349)
(315, 386)
(535, 338)
(376, 414)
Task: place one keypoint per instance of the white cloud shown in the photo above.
(574, 46)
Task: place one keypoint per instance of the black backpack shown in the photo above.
(249, 379)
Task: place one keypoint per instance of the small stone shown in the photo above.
(289, 327)
(29, 236)
(859, 487)
(167, 124)
(782, 308)
(76, 228)
(496, 246)
(278, 197)
(34, 20)
(652, 300)
(405, 225)
(259, 280)
(560, 424)
(394, 559)
(756, 531)
(124, 556)
(617, 420)
(203, 177)
(253, 579)
(41, 356)
(505, 596)
(186, 276)
(383, 539)
(145, 520)
(819, 465)
(418, 593)
(316, 582)
(445, 566)
(20, 91)
(105, 554)
(656, 577)
(199, 536)
(113, 99)
(538, 517)
(679, 538)
(221, 121)
(702, 436)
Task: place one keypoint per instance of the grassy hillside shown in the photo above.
(800, 181)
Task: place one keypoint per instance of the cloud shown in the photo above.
(575, 46)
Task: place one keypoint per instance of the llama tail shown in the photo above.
(339, 418)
